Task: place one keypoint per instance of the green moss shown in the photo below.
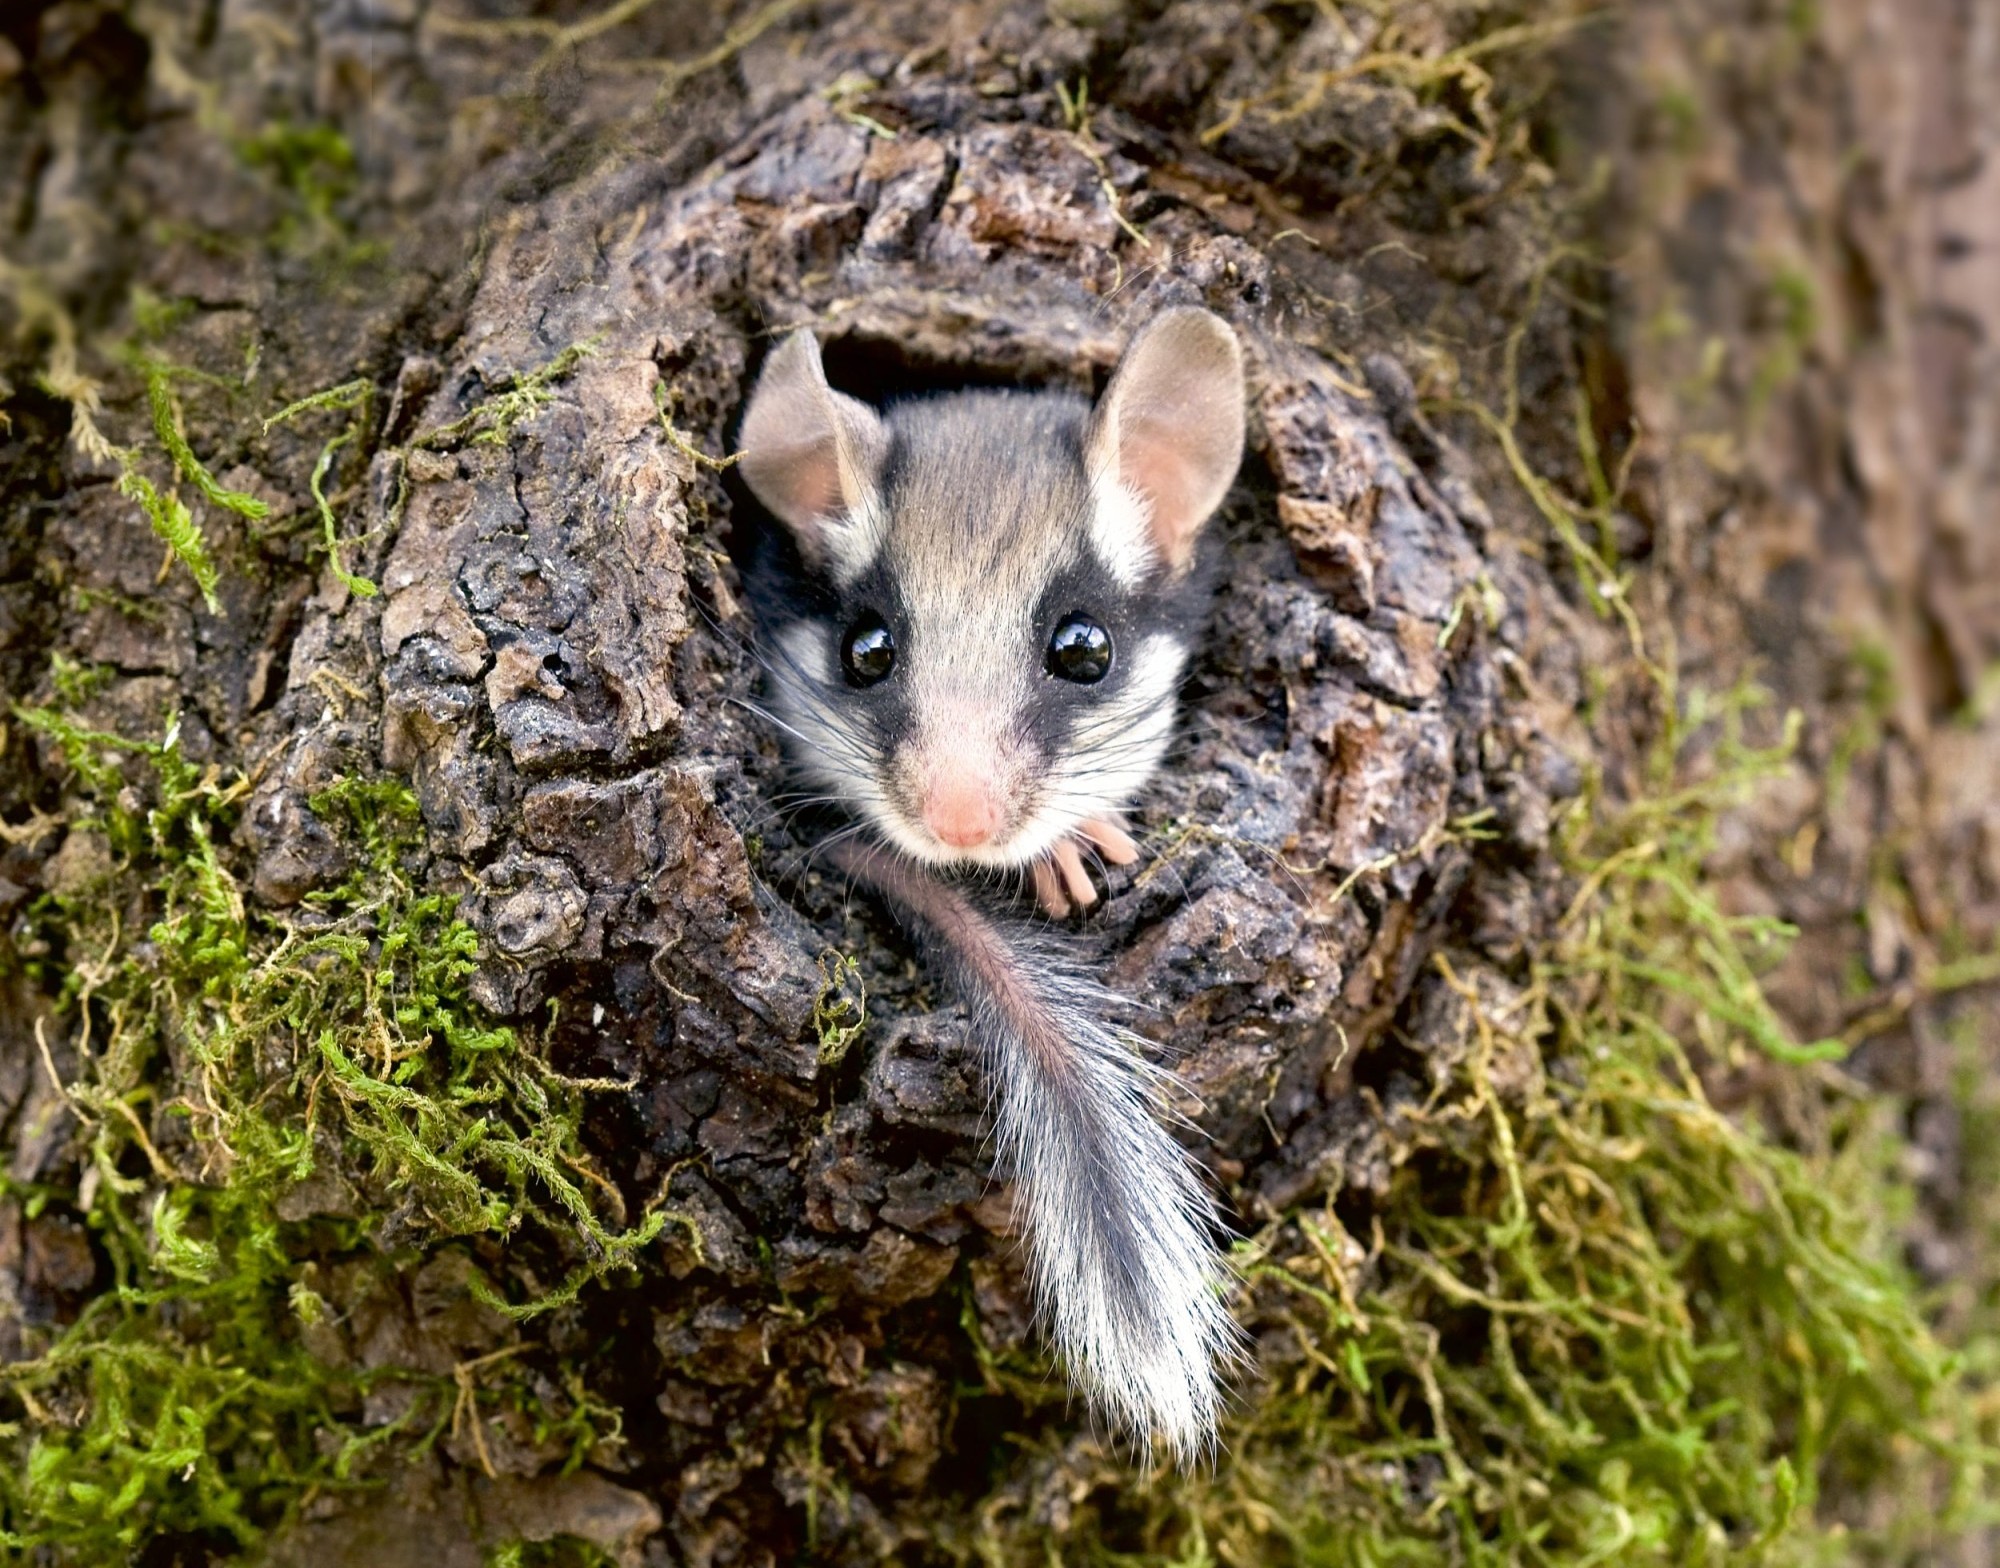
(168, 514)
(840, 1009)
(74, 683)
(225, 1057)
(154, 317)
(176, 529)
(1680, 111)
(88, 598)
(314, 160)
(517, 396)
(1794, 304)
(1595, 1319)
(312, 168)
(1983, 701)
(344, 398)
(1790, 310)
(679, 440)
(1873, 686)
(166, 426)
(355, 399)
(565, 1552)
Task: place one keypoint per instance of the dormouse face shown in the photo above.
(998, 600)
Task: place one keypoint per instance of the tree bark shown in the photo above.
(553, 253)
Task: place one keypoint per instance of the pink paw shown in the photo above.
(1059, 876)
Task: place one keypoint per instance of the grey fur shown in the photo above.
(958, 516)
(1117, 1221)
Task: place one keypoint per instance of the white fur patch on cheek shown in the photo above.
(826, 739)
(1114, 750)
(830, 743)
(1156, 670)
(806, 662)
(1121, 533)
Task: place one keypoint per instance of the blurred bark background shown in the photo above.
(1736, 265)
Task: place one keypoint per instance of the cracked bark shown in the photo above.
(557, 659)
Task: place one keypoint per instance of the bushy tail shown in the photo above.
(1118, 1223)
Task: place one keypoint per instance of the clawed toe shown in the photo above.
(1062, 882)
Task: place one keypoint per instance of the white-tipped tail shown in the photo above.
(1118, 1223)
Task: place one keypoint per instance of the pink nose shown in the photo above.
(961, 812)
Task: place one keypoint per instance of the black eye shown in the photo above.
(868, 651)
(1080, 650)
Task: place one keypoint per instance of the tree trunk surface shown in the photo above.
(1738, 270)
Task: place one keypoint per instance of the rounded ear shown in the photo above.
(812, 455)
(1169, 428)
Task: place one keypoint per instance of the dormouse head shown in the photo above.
(996, 592)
